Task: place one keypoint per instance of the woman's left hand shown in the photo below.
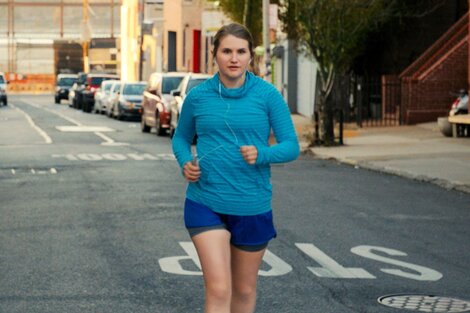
(249, 153)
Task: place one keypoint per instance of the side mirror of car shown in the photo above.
(175, 93)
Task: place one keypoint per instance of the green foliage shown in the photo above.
(248, 13)
(333, 31)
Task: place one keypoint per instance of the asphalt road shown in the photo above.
(91, 221)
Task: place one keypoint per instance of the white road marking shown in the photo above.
(13, 171)
(83, 129)
(71, 120)
(79, 127)
(278, 266)
(116, 156)
(422, 273)
(109, 141)
(41, 132)
(330, 268)
(173, 264)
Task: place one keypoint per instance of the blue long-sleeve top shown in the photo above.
(225, 119)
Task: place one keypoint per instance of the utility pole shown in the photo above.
(141, 43)
(85, 36)
(266, 41)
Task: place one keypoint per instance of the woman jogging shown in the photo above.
(228, 200)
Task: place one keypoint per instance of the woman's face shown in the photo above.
(233, 57)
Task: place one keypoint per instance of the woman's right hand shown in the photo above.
(191, 171)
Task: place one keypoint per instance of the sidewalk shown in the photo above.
(418, 152)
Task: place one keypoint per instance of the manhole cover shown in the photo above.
(425, 303)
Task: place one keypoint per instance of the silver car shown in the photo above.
(190, 81)
(101, 96)
(113, 94)
(128, 101)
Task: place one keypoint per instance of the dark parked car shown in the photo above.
(190, 81)
(3, 89)
(156, 101)
(63, 85)
(92, 84)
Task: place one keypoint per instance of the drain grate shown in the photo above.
(425, 303)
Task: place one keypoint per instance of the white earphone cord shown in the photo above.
(226, 123)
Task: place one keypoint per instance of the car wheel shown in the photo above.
(57, 100)
(158, 126)
(143, 126)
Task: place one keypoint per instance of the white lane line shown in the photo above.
(108, 141)
(41, 132)
(90, 129)
(105, 138)
(71, 120)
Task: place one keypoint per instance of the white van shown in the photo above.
(3, 89)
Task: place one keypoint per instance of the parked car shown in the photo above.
(92, 84)
(3, 89)
(156, 101)
(75, 93)
(129, 100)
(112, 97)
(63, 84)
(101, 96)
(189, 82)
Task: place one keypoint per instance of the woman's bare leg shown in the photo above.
(245, 266)
(213, 248)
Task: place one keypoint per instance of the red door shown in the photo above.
(196, 51)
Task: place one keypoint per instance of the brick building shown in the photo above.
(421, 60)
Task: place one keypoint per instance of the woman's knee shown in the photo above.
(220, 292)
(244, 291)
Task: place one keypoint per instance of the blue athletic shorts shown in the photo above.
(249, 233)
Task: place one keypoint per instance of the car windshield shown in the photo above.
(116, 87)
(107, 87)
(97, 80)
(133, 89)
(66, 81)
(193, 83)
(170, 83)
(81, 79)
(1, 80)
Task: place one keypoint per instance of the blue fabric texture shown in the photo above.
(225, 119)
(245, 230)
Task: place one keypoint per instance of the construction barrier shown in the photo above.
(30, 83)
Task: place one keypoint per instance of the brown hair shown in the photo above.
(236, 30)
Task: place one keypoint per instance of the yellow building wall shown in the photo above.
(181, 16)
(130, 32)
